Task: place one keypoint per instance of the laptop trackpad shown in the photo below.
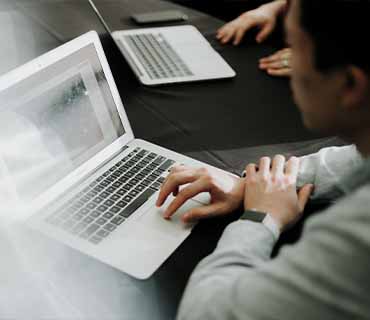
(153, 218)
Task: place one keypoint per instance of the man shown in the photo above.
(326, 274)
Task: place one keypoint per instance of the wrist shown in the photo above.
(266, 219)
(277, 6)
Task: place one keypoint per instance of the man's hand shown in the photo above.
(278, 64)
(272, 189)
(264, 18)
(225, 190)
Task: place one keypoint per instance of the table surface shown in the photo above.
(226, 123)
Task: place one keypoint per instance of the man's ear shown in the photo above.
(357, 88)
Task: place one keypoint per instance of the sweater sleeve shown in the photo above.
(324, 276)
(325, 169)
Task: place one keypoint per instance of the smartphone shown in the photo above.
(159, 16)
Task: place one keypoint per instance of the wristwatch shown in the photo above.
(264, 218)
(253, 215)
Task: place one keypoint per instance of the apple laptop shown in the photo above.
(168, 54)
(72, 165)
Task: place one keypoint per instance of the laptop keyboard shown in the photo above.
(107, 202)
(157, 56)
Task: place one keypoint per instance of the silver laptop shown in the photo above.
(169, 54)
(71, 168)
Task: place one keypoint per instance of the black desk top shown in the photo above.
(220, 122)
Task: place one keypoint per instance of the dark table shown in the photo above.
(221, 122)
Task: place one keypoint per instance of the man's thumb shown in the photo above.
(304, 194)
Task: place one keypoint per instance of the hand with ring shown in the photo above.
(278, 64)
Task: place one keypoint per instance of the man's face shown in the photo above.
(317, 94)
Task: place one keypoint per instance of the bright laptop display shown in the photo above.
(67, 117)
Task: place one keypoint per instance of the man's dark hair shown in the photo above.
(340, 32)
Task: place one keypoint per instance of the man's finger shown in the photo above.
(292, 167)
(221, 32)
(173, 182)
(304, 195)
(285, 72)
(274, 57)
(202, 212)
(278, 165)
(227, 36)
(265, 32)
(240, 32)
(273, 65)
(264, 165)
(250, 170)
(185, 194)
(239, 36)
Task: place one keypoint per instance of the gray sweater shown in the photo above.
(326, 275)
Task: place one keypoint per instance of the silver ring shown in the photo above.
(285, 62)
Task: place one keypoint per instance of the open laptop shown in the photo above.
(168, 54)
(70, 161)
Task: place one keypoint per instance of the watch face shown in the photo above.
(254, 216)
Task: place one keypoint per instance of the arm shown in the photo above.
(315, 279)
(265, 18)
(325, 168)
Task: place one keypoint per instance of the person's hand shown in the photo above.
(272, 189)
(278, 64)
(226, 192)
(264, 17)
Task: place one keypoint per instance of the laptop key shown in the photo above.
(110, 227)
(131, 208)
(159, 160)
(68, 224)
(121, 204)
(156, 186)
(88, 219)
(98, 188)
(115, 209)
(89, 231)
(108, 215)
(102, 233)
(78, 216)
(102, 208)
(117, 220)
(108, 203)
(122, 192)
(95, 240)
(111, 189)
(91, 205)
(115, 197)
(140, 176)
(133, 193)
(143, 152)
(168, 163)
(140, 187)
(161, 179)
(98, 200)
(134, 181)
(79, 227)
(127, 198)
(101, 221)
(95, 214)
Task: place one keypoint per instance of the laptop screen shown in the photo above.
(53, 121)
